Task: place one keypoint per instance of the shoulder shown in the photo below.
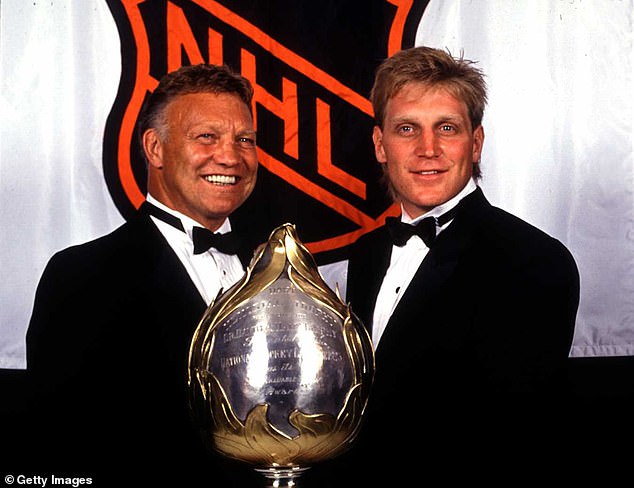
(496, 239)
(519, 247)
(124, 244)
(504, 230)
(501, 229)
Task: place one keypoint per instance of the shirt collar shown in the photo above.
(188, 223)
(442, 208)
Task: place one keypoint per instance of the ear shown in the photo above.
(478, 143)
(153, 147)
(379, 150)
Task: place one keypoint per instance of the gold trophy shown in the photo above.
(280, 369)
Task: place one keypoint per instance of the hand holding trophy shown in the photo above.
(280, 369)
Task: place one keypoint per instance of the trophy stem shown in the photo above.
(281, 477)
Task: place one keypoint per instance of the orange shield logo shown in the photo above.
(314, 121)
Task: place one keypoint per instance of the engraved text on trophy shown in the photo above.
(280, 348)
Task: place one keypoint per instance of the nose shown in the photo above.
(428, 144)
(227, 153)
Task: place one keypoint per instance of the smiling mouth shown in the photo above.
(221, 179)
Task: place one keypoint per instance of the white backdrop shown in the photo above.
(559, 136)
(60, 65)
(558, 150)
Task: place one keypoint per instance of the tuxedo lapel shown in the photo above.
(372, 258)
(435, 272)
(169, 278)
(246, 241)
(168, 284)
(382, 262)
(245, 253)
(173, 305)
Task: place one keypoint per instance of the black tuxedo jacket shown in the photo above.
(107, 349)
(477, 347)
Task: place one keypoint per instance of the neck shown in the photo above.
(213, 225)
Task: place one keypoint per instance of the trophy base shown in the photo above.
(282, 477)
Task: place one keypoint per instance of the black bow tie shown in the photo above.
(425, 229)
(204, 239)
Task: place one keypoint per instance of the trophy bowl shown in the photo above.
(280, 369)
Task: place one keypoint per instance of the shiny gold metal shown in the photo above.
(282, 275)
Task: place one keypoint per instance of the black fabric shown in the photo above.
(401, 232)
(474, 353)
(425, 229)
(203, 238)
(107, 350)
(159, 213)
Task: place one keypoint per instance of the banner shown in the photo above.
(60, 67)
(558, 147)
(559, 137)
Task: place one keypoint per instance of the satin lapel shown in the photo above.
(247, 242)
(245, 254)
(380, 263)
(168, 280)
(250, 239)
(438, 267)
(370, 265)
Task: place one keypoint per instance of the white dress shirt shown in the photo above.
(404, 263)
(211, 271)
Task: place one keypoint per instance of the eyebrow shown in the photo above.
(440, 119)
(453, 117)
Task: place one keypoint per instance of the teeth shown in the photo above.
(428, 172)
(221, 179)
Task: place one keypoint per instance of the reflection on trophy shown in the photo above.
(280, 369)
